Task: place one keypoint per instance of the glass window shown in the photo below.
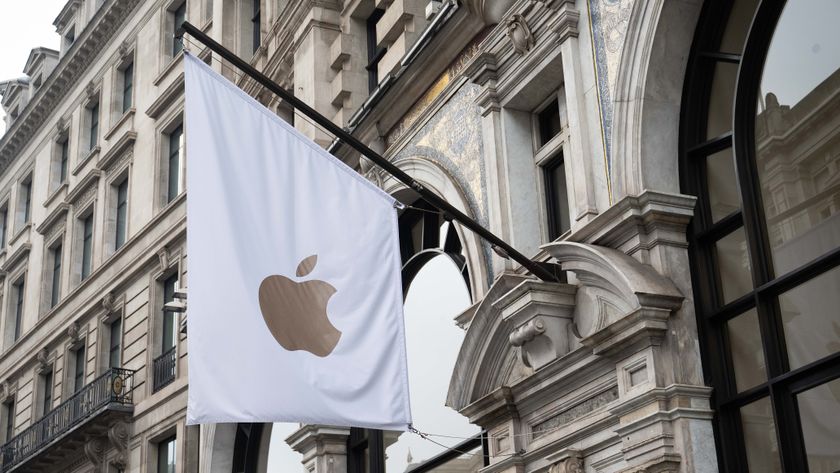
(64, 153)
(10, 419)
(255, 25)
(557, 201)
(26, 200)
(819, 409)
(760, 437)
(122, 214)
(46, 405)
(797, 140)
(93, 130)
(375, 53)
(811, 319)
(4, 217)
(79, 369)
(20, 293)
(733, 265)
(174, 169)
(87, 245)
(747, 354)
(55, 280)
(128, 86)
(723, 189)
(170, 329)
(115, 344)
(166, 457)
(178, 16)
(548, 121)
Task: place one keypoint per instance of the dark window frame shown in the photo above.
(179, 14)
(163, 448)
(20, 299)
(782, 384)
(127, 86)
(87, 246)
(174, 165)
(55, 276)
(375, 53)
(121, 214)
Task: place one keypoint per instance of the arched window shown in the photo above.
(760, 148)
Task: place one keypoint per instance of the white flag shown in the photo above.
(295, 296)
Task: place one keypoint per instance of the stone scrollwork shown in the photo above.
(520, 34)
(541, 316)
(571, 462)
(118, 436)
(490, 11)
(95, 452)
(73, 332)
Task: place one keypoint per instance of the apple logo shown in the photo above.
(296, 312)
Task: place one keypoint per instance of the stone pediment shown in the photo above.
(523, 326)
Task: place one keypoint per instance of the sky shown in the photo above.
(437, 294)
(18, 38)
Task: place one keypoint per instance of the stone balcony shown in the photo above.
(94, 415)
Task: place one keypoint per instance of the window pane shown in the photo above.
(122, 210)
(174, 163)
(737, 26)
(128, 85)
(115, 342)
(56, 276)
(722, 99)
(557, 202)
(733, 265)
(169, 320)
(722, 186)
(819, 410)
(746, 351)
(79, 373)
(87, 246)
(549, 122)
(760, 437)
(811, 319)
(798, 136)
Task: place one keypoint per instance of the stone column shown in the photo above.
(324, 448)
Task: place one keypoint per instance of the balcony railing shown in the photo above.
(113, 387)
(164, 369)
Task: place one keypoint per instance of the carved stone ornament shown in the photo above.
(60, 125)
(541, 315)
(126, 48)
(163, 257)
(95, 452)
(569, 465)
(108, 302)
(520, 34)
(490, 11)
(90, 89)
(73, 332)
(43, 358)
(118, 436)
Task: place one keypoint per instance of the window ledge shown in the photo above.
(91, 154)
(60, 190)
(128, 115)
(172, 64)
(20, 232)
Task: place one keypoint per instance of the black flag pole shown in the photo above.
(538, 269)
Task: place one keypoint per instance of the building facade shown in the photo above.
(675, 163)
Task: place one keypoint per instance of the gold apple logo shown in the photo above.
(296, 312)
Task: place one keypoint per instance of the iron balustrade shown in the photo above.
(113, 387)
(164, 369)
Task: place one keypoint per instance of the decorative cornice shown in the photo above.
(17, 257)
(89, 44)
(81, 193)
(53, 218)
(173, 92)
(121, 149)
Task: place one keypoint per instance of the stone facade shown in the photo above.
(601, 372)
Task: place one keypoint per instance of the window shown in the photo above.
(765, 238)
(170, 322)
(79, 368)
(25, 201)
(166, 456)
(255, 26)
(55, 279)
(175, 147)
(46, 392)
(9, 414)
(178, 16)
(4, 218)
(87, 245)
(128, 86)
(557, 201)
(19, 294)
(63, 154)
(115, 344)
(548, 120)
(69, 38)
(121, 214)
(375, 53)
(93, 125)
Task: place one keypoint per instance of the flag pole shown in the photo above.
(536, 268)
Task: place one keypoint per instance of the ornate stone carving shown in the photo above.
(90, 89)
(108, 302)
(163, 258)
(520, 34)
(95, 452)
(126, 48)
(573, 464)
(490, 11)
(73, 332)
(42, 358)
(541, 316)
(118, 436)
